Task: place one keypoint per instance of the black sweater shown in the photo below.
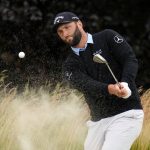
(92, 78)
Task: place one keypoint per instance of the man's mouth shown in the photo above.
(69, 39)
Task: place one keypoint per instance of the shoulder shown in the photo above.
(112, 35)
(106, 33)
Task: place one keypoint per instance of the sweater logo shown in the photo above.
(68, 75)
(118, 39)
(97, 52)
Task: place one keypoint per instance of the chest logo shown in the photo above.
(118, 39)
(98, 52)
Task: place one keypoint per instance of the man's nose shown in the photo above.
(65, 33)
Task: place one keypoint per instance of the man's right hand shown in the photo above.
(115, 89)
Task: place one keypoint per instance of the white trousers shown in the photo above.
(114, 133)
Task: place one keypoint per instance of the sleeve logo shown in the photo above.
(118, 39)
(68, 75)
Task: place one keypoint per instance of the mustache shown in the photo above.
(69, 36)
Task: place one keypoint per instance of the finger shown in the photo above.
(117, 87)
(120, 86)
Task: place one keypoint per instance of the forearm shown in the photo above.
(83, 82)
(130, 69)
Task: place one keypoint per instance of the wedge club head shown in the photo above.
(99, 59)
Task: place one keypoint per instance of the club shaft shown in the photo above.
(113, 74)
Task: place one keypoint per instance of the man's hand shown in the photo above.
(115, 89)
(128, 91)
(121, 90)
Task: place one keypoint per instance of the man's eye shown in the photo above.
(67, 27)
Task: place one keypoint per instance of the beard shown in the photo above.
(76, 38)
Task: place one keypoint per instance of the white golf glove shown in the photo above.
(125, 85)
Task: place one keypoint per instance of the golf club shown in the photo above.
(99, 59)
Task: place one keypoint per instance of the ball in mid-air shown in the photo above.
(21, 54)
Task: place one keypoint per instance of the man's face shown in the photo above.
(70, 33)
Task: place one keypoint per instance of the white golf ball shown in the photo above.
(21, 54)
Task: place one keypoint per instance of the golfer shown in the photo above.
(116, 112)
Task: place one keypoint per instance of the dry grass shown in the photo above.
(40, 120)
(143, 142)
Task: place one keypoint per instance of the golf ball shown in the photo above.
(21, 54)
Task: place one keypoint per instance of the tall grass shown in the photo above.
(40, 120)
(143, 142)
(43, 120)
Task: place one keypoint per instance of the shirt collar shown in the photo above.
(89, 40)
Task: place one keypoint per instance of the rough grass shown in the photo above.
(143, 142)
(39, 120)
(42, 120)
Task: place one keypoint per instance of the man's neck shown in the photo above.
(83, 41)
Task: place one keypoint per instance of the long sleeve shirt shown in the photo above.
(92, 78)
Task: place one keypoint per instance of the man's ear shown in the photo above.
(80, 25)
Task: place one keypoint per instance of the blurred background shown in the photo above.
(27, 26)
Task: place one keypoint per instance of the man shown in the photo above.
(116, 112)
